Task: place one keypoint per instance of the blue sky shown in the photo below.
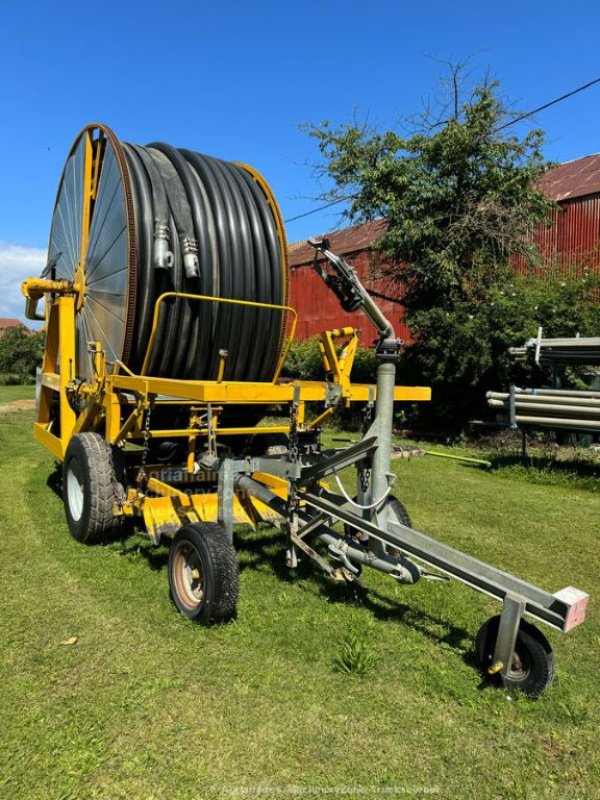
(234, 79)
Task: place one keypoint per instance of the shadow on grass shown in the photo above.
(156, 556)
(549, 471)
(266, 549)
(577, 468)
(54, 480)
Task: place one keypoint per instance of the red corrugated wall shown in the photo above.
(319, 309)
(572, 243)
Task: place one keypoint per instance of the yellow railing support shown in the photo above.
(210, 299)
(340, 367)
(321, 418)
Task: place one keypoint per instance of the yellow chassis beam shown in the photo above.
(165, 513)
(245, 392)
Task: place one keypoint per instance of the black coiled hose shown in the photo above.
(222, 238)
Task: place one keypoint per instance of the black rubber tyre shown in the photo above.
(532, 668)
(267, 444)
(399, 511)
(93, 481)
(204, 578)
(397, 508)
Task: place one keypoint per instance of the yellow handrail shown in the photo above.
(210, 298)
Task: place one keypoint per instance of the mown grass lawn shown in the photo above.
(9, 394)
(146, 705)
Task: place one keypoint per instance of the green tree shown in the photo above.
(20, 352)
(460, 199)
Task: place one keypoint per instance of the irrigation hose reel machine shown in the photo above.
(167, 326)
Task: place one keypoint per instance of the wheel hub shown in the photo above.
(74, 495)
(188, 576)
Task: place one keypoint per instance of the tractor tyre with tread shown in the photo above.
(93, 481)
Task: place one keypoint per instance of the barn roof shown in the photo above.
(572, 179)
(9, 322)
(348, 240)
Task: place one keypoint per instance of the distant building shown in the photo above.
(572, 242)
(9, 322)
(569, 245)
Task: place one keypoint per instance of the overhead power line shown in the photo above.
(320, 208)
(551, 103)
(501, 128)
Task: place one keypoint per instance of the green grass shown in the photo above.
(146, 705)
(10, 393)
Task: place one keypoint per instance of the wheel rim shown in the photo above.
(74, 495)
(188, 576)
(519, 667)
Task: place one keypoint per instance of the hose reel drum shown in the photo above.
(132, 223)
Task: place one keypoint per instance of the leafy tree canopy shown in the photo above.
(20, 352)
(459, 196)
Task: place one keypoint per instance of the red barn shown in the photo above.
(569, 245)
(572, 242)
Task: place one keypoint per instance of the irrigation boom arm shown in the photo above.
(346, 285)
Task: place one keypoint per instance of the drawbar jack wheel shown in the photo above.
(532, 664)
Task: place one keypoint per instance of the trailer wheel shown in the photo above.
(203, 573)
(93, 481)
(398, 510)
(532, 666)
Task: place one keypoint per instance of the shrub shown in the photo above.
(304, 362)
(21, 352)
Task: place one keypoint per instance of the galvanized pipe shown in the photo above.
(558, 410)
(553, 409)
(562, 350)
(570, 398)
(402, 569)
(247, 484)
(384, 416)
(559, 422)
(565, 400)
(557, 392)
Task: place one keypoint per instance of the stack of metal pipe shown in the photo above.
(567, 350)
(548, 408)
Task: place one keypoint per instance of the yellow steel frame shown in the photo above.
(120, 422)
(339, 367)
